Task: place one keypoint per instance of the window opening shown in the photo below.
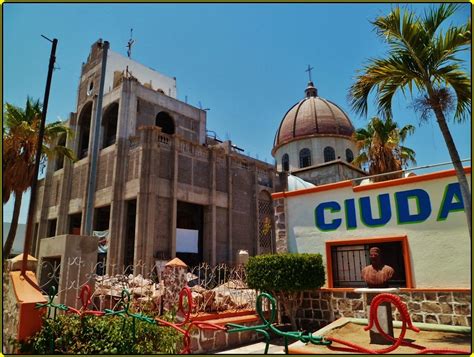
(285, 162)
(305, 158)
(329, 154)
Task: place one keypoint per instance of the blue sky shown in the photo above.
(246, 62)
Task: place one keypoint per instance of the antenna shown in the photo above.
(309, 71)
(205, 109)
(130, 44)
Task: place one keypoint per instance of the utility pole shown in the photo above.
(31, 208)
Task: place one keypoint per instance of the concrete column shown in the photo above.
(230, 251)
(68, 169)
(89, 149)
(174, 199)
(127, 113)
(212, 190)
(145, 231)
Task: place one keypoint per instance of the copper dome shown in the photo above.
(310, 117)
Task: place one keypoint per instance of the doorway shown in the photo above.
(189, 233)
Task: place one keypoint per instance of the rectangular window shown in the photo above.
(346, 259)
(75, 223)
(51, 228)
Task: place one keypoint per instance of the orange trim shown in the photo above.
(373, 186)
(411, 179)
(370, 240)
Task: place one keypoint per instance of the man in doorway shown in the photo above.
(377, 274)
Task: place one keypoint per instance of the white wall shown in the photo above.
(316, 145)
(117, 62)
(439, 250)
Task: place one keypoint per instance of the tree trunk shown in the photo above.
(14, 225)
(461, 175)
(291, 302)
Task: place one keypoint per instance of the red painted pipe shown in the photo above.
(406, 323)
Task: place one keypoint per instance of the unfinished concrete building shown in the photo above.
(163, 188)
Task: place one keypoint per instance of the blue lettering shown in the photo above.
(452, 191)
(319, 216)
(385, 211)
(403, 209)
(349, 206)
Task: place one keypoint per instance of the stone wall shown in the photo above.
(208, 341)
(448, 308)
(280, 225)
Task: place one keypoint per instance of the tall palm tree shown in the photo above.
(422, 58)
(20, 140)
(380, 148)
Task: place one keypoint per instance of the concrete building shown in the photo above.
(313, 141)
(163, 188)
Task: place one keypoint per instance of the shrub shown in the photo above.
(286, 276)
(69, 334)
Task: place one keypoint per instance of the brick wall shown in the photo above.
(448, 308)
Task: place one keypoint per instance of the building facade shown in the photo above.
(163, 188)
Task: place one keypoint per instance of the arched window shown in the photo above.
(305, 158)
(109, 122)
(285, 163)
(165, 122)
(349, 155)
(329, 154)
(84, 129)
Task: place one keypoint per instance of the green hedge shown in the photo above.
(68, 334)
(285, 272)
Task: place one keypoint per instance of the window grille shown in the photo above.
(305, 158)
(329, 154)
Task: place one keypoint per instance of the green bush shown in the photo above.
(286, 276)
(69, 334)
(285, 272)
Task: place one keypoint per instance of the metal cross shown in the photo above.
(309, 71)
(130, 44)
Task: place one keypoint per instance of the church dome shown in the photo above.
(313, 116)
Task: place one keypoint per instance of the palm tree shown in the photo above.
(380, 148)
(20, 140)
(422, 57)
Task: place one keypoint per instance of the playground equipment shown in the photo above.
(266, 328)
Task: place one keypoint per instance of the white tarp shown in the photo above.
(187, 240)
(296, 183)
